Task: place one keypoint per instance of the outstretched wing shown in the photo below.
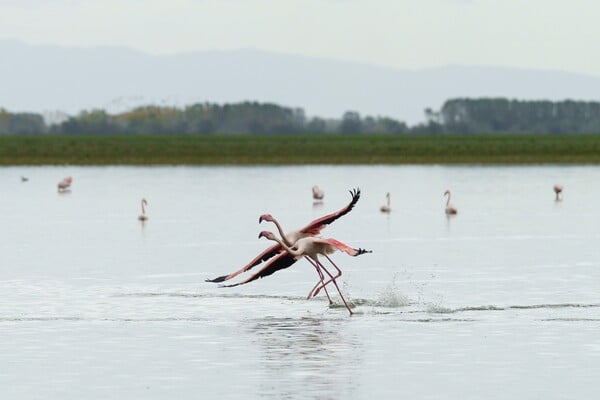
(264, 256)
(281, 261)
(315, 227)
(342, 246)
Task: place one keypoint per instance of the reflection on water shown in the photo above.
(317, 204)
(449, 218)
(307, 358)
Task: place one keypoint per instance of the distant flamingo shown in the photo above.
(558, 188)
(386, 207)
(450, 209)
(64, 184)
(312, 229)
(310, 247)
(143, 217)
(24, 179)
(318, 193)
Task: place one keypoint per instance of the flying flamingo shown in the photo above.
(292, 237)
(318, 193)
(310, 247)
(64, 184)
(386, 207)
(312, 229)
(143, 217)
(558, 188)
(450, 209)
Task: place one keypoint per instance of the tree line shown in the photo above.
(500, 115)
(463, 115)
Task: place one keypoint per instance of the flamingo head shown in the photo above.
(387, 194)
(447, 192)
(265, 217)
(145, 202)
(267, 234)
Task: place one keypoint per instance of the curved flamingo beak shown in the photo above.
(263, 234)
(261, 218)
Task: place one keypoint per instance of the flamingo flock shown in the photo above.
(293, 245)
(304, 242)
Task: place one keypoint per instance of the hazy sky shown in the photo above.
(547, 34)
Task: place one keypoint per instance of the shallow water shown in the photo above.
(501, 301)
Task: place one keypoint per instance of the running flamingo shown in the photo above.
(64, 184)
(558, 188)
(143, 217)
(318, 193)
(309, 247)
(386, 207)
(450, 209)
(292, 237)
(312, 229)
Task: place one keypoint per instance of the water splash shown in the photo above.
(392, 297)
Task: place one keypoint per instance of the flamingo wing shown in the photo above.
(315, 227)
(281, 261)
(264, 256)
(342, 246)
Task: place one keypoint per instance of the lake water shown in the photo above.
(500, 302)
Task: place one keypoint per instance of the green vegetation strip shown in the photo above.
(299, 149)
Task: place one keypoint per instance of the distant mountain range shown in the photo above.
(52, 78)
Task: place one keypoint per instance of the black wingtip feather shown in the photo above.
(362, 251)
(217, 279)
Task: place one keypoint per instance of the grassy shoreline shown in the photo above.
(299, 149)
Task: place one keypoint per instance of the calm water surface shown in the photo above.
(500, 302)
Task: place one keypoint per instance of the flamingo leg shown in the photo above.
(335, 283)
(321, 285)
(321, 278)
(316, 289)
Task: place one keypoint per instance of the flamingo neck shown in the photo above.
(287, 248)
(388, 200)
(143, 209)
(281, 233)
(448, 201)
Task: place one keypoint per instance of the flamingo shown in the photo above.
(143, 217)
(310, 247)
(312, 229)
(386, 207)
(292, 237)
(24, 179)
(450, 209)
(558, 188)
(64, 184)
(318, 193)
